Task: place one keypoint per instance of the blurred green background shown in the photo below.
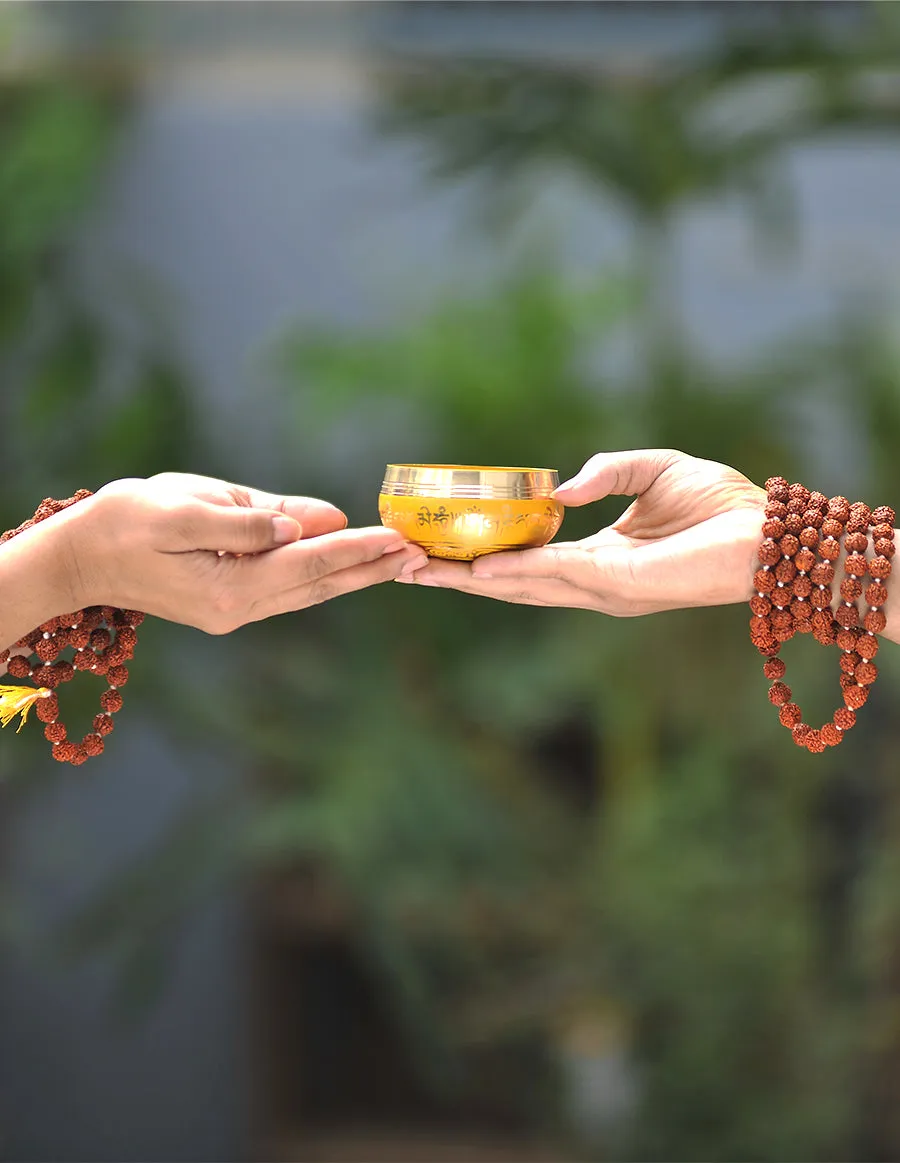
(414, 875)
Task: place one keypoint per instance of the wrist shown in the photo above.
(891, 607)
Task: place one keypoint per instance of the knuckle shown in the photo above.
(321, 591)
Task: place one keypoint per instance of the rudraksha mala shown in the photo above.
(103, 639)
(802, 541)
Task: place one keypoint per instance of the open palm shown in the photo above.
(688, 539)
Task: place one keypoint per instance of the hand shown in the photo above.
(689, 539)
(214, 555)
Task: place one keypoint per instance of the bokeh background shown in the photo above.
(412, 875)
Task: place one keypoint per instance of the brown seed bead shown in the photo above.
(111, 701)
(760, 630)
(790, 715)
(876, 595)
(774, 668)
(134, 617)
(789, 544)
(805, 560)
(779, 619)
(857, 524)
(779, 694)
(830, 549)
(45, 676)
(778, 490)
(83, 660)
(883, 515)
(795, 505)
(760, 606)
(45, 649)
(867, 646)
(884, 548)
(127, 637)
(856, 542)
(773, 528)
(875, 621)
(115, 654)
(100, 639)
(103, 724)
(812, 519)
(822, 573)
(4, 655)
(866, 673)
(847, 616)
(839, 508)
(861, 510)
(118, 675)
(849, 661)
(768, 649)
(832, 528)
(824, 634)
(883, 530)
(851, 589)
(817, 500)
(822, 598)
(93, 745)
(803, 626)
(64, 670)
(814, 741)
(800, 493)
(847, 639)
(80, 638)
(801, 611)
(47, 710)
(793, 523)
(55, 732)
(844, 717)
(764, 581)
(768, 553)
(18, 666)
(785, 571)
(831, 736)
(80, 756)
(855, 563)
(880, 568)
(800, 732)
(63, 752)
(101, 665)
(855, 696)
(776, 509)
(787, 633)
(802, 587)
(846, 681)
(809, 537)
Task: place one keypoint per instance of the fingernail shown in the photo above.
(411, 566)
(394, 547)
(285, 529)
(572, 483)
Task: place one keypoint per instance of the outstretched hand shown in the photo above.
(688, 539)
(215, 555)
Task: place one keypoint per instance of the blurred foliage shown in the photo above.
(535, 815)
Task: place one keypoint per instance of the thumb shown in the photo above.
(616, 473)
(236, 528)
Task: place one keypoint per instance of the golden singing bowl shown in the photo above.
(462, 511)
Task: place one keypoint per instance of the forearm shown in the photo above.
(38, 576)
(892, 605)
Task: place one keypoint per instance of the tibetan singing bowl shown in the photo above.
(462, 511)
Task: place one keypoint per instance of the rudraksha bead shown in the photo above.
(855, 563)
(117, 676)
(880, 568)
(111, 701)
(761, 605)
(831, 735)
(876, 594)
(849, 661)
(802, 587)
(809, 537)
(838, 507)
(875, 621)
(776, 509)
(805, 559)
(785, 571)
(851, 589)
(100, 639)
(789, 545)
(55, 732)
(779, 694)
(801, 610)
(867, 646)
(813, 519)
(64, 752)
(93, 745)
(822, 597)
(847, 639)
(18, 666)
(814, 741)
(103, 724)
(790, 715)
(866, 673)
(856, 542)
(847, 615)
(768, 553)
(777, 489)
(855, 696)
(830, 549)
(764, 581)
(800, 732)
(822, 573)
(774, 668)
(47, 710)
(884, 548)
(774, 528)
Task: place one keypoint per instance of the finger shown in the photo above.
(315, 558)
(517, 590)
(228, 529)
(315, 516)
(386, 568)
(616, 473)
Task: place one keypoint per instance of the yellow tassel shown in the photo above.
(18, 700)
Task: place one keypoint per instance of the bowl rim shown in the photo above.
(482, 468)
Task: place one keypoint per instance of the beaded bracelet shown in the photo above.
(103, 639)
(794, 595)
